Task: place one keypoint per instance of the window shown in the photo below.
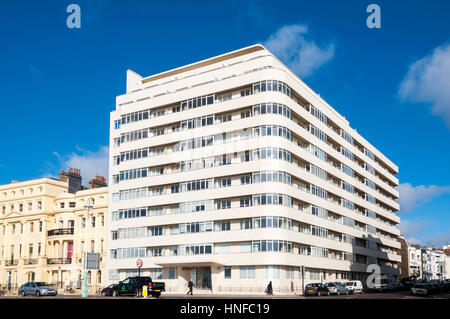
(93, 222)
(31, 227)
(227, 272)
(247, 272)
(30, 206)
(349, 188)
(271, 272)
(347, 137)
(315, 190)
(318, 133)
(83, 222)
(245, 247)
(317, 152)
(347, 204)
(245, 202)
(347, 170)
(369, 183)
(370, 199)
(223, 248)
(314, 274)
(290, 272)
(156, 231)
(319, 211)
(172, 273)
(318, 114)
(347, 153)
(371, 229)
(39, 205)
(371, 214)
(369, 154)
(318, 171)
(369, 168)
(223, 204)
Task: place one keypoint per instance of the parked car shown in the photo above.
(407, 284)
(37, 289)
(107, 291)
(316, 289)
(132, 286)
(385, 284)
(438, 284)
(337, 288)
(420, 289)
(354, 286)
(400, 286)
(433, 287)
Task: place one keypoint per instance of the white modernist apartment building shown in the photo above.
(233, 172)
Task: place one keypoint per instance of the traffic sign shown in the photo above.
(139, 263)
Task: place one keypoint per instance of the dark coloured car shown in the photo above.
(107, 291)
(407, 284)
(132, 286)
(37, 289)
(316, 289)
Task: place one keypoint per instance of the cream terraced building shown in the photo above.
(233, 172)
(42, 232)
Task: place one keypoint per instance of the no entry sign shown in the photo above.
(139, 263)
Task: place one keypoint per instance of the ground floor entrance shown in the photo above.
(201, 277)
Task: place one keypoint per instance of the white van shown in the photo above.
(354, 286)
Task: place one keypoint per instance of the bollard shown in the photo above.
(145, 291)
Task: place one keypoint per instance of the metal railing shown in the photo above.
(60, 231)
(30, 261)
(11, 262)
(56, 261)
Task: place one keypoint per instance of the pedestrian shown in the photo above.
(269, 288)
(190, 285)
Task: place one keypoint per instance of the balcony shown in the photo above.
(11, 262)
(30, 261)
(59, 261)
(60, 231)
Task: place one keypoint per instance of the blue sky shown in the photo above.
(58, 85)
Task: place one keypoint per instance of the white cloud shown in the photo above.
(439, 239)
(90, 163)
(411, 197)
(302, 56)
(411, 229)
(428, 81)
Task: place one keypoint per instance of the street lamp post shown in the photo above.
(88, 206)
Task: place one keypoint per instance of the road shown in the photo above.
(379, 295)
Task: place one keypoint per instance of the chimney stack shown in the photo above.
(73, 179)
(97, 182)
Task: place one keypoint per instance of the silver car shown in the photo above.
(37, 289)
(419, 289)
(337, 288)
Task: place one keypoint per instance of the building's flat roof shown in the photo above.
(199, 64)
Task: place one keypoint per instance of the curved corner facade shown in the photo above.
(232, 172)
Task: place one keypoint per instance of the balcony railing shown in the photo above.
(60, 231)
(11, 262)
(58, 261)
(30, 261)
